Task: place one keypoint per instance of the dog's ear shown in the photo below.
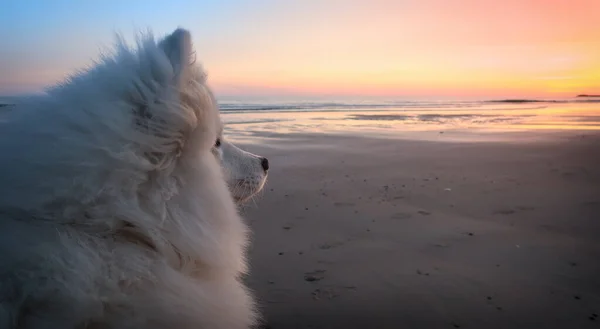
(178, 48)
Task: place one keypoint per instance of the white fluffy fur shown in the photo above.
(114, 208)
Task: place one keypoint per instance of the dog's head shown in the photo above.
(246, 173)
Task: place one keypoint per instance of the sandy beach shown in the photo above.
(379, 232)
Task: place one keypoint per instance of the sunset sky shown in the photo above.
(371, 48)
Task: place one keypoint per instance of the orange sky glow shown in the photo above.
(389, 48)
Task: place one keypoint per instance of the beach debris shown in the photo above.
(517, 246)
(419, 272)
(316, 294)
(280, 253)
(424, 213)
(314, 276)
(448, 189)
(455, 325)
(577, 297)
(287, 227)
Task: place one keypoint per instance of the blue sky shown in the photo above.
(43, 40)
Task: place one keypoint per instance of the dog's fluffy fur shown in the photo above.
(114, 206)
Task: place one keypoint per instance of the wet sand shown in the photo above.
(365, 232)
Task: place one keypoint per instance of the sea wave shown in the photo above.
(366, 107)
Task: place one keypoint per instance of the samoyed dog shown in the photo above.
(118, 200)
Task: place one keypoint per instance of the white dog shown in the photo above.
(115, 210)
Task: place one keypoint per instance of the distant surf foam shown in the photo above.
(390, 105)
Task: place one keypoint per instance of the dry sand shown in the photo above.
(361, 232)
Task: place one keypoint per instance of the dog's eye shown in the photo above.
(218, 142)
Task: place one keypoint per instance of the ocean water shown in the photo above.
(399, 117)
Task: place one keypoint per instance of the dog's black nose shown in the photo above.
(264, 163)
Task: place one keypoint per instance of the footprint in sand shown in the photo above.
(504, 212)
(330, 245)
(344, 204)
(510, 211)
(401, 215)
(330, 292)
(314, 276)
